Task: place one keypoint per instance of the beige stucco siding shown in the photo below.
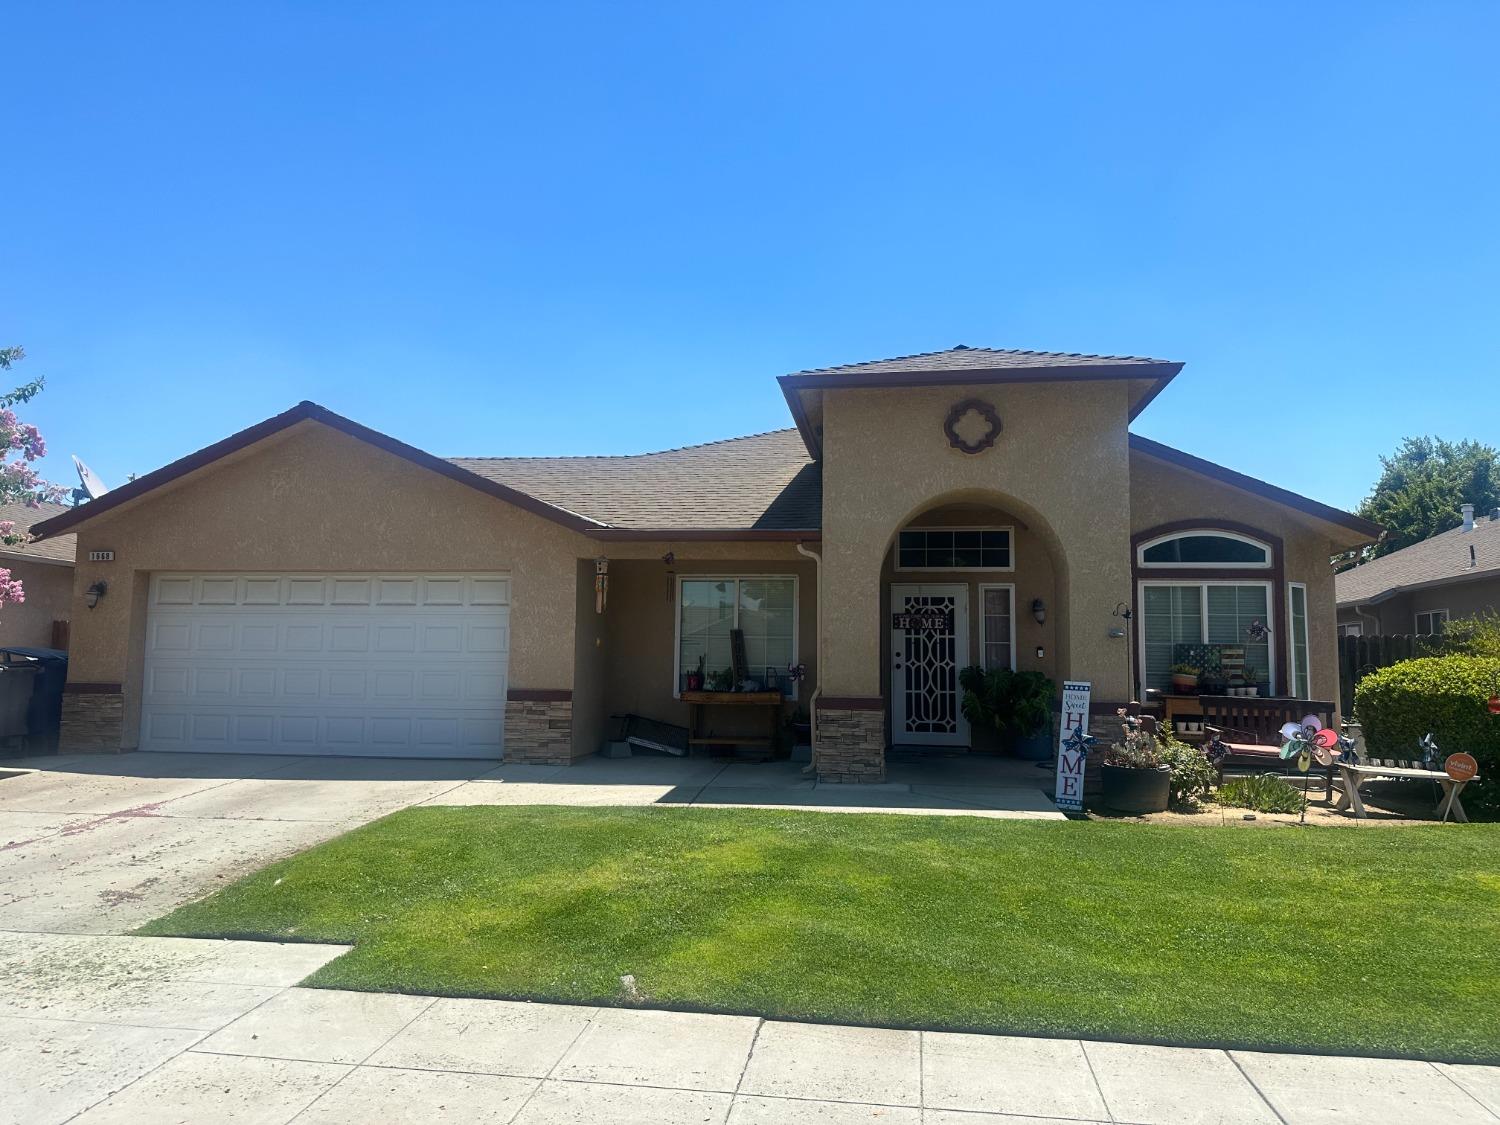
(1061, 465)
(49, 597)
(640, 626)
(319, 500)
(1162, 493)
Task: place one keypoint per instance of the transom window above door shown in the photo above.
(1205, 548)
(955, 548)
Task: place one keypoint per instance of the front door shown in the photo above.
(929, 643)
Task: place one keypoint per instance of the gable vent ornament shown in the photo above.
(972, 426)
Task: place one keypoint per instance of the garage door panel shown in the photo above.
(320, 664)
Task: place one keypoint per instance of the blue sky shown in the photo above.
(445, 220)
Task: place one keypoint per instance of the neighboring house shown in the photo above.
(46, 573)
(1420, 588)
(312, 586)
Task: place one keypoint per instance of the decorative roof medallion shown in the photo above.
(972, 426)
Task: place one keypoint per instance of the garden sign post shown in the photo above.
(1072, 747)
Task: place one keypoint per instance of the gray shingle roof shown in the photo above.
(60, 549)
(765, 481)
(964, 358)
(1443, 558)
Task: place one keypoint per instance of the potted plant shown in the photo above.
(695, 679)
(1018, 705)
(1184, 679)
(722, 680)
(1135, 778)
(1254, 682)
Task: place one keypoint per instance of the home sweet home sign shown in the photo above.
(1073, 745)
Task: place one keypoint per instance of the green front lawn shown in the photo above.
(1362, 939)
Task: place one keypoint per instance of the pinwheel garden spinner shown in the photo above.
(1309, 740)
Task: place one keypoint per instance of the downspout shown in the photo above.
(1359, 611)
(812, 700)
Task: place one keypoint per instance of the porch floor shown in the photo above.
(931, 784)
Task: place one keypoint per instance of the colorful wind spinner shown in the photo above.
(1310, 739)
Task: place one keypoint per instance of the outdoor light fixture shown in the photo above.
(92, 595)
(1039, 610)
(1040, 652)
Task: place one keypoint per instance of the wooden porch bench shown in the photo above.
(1249, 727)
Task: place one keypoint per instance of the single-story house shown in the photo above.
(1420, 588)
(46, 572)
(309, 585)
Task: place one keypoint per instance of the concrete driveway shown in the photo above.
(103, 843)
(100, 844)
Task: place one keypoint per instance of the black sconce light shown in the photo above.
(1039, 610)
(92, 595)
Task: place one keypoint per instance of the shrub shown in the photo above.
(1014, 703)
(1474, 636)
(1192, 773)
(1264, 793)
(1444, 695)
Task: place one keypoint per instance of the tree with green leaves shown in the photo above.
(1423, 485)
(19, 479)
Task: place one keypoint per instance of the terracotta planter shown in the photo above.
(1184, 685)
(1136, 791)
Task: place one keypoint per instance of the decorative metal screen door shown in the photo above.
(929, 644)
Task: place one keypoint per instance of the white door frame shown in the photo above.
(960, 736)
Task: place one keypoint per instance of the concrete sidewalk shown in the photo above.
(146, 1030)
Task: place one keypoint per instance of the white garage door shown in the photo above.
(377, 664)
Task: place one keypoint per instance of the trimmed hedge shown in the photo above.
(1446, 695)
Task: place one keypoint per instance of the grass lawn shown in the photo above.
(1368, 940)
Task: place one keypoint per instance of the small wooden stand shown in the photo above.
(698, 700)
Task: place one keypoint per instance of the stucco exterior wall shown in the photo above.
(315, 499)
(1398, 614)
(640, 629)
(1163, 493)
(1061, 465)
(49, 598)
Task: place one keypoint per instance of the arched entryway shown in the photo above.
(967, 579)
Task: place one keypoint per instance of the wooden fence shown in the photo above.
(1359, 656)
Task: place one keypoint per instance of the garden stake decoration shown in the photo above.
(1305, 741)
(1078, 742)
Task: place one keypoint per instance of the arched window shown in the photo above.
(1206, 548)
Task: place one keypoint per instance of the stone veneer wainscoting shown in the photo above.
(539, 731)
(93, 722)
(850, 743)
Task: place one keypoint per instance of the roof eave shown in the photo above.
(708, 534)
(1160, 373)
(1308, 506)
(1408, 587)
(303, 412)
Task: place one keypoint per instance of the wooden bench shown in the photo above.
(1249, 729)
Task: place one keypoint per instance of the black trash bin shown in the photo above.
(48, 671)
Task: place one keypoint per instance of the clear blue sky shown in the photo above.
(448, 220)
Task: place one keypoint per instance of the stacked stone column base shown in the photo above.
(850, 742)
(539, 731)
(92, 722)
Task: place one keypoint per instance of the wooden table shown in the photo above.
(698, 700)
(1355, 776)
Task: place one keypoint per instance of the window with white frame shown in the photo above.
(1352, 629)
(954, 548)
(1432, 621)
(1296, 593)
(1195, 613)
(1204, 548)
(998, 627)
(763, 608)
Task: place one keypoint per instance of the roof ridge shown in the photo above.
(632, 456)
(968, 348)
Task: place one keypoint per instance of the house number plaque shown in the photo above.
(101, 556)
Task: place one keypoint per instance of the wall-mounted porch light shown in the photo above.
(1039, 610)
(92, 595)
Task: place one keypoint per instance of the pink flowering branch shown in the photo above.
(19, 479)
